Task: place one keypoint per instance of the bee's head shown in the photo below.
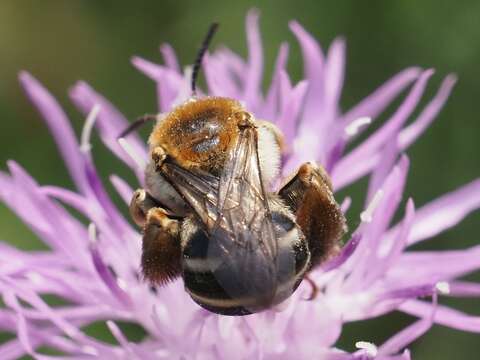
(199, 133)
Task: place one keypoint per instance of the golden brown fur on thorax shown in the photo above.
(199, 133)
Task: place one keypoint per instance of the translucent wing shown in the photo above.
(199, 189)
(234, 210)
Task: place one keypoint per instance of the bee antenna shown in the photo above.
(136, 124)
(201, 52)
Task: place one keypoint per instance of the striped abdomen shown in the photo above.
(239, 280)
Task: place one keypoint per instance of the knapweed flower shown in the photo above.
(93, 259)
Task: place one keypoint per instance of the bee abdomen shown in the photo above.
(201, 282)
(214, 284)
(205, 290)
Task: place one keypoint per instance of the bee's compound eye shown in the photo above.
(282, 223)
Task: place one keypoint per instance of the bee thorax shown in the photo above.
(198, 134)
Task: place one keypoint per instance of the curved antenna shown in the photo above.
(196, 68)
(136, 124)
(201, 52)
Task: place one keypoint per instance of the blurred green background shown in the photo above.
(61, 42)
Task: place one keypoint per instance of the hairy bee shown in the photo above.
(208, 215)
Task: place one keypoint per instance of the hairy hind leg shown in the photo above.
(309, 196)
(161, 250)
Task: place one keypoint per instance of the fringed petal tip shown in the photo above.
(153, 71)
(25, 77)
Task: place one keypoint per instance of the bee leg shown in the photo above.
(309, 196)
(314, 287)
(158, 156)
(140, 204)
(161, 251)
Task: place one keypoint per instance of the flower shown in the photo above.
(92, 263)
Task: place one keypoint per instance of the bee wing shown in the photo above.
(199, 189)
(235, 213)
(244, 235)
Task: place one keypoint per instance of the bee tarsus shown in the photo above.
(314, 288)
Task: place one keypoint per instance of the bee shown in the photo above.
(208, 214)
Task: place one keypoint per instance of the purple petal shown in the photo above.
(107, 277)
(320, 107)
(407, 336)
(334, 74)
(334, 155)
(464, 289)
(368, 147)
(93, 213)
(272, 101)
(435, 266)
(110, 124)
(405, 138)
(344, 255)
(59, 126)
(255, 61)
(22, 328)
(170, 58)
(122, 340)
(406, 293)
(13, 349)
(42, 215)
(69, 197)
(168, 82)
(150, 69)
(313, 60)
(343, 174)
(118, 222)
(234, 62)
(443, 213)
(387, 259)
(381, 171)
(292, 100)
(35, 301)
(220, 82)
(374, 104)
(123, 189)
(317, 114)
(372, 232)
(409, 134)
(366, 155)
(444, 315)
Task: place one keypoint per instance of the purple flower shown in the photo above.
(93, 261)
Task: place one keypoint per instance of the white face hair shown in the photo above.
(268, 154)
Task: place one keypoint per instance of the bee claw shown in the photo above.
(137, 208)
(140, 205)
(314, 287)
